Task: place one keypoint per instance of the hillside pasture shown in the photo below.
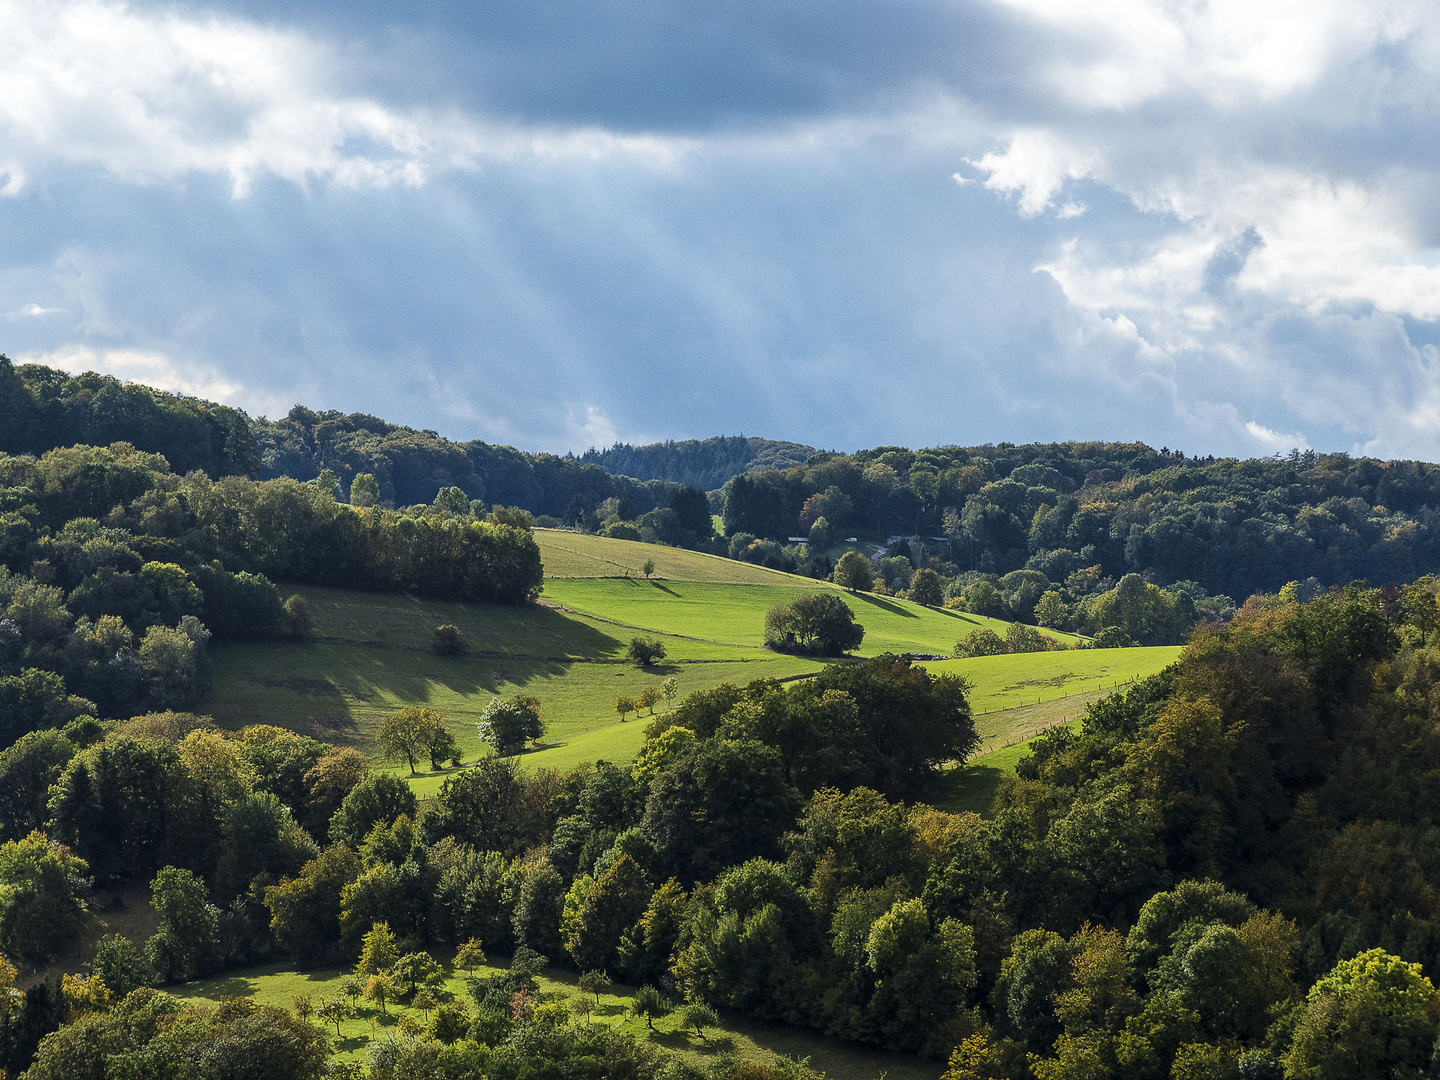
(735, 614)
(752, 1040)
(580, 555)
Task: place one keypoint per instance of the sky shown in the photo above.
(1212, 226)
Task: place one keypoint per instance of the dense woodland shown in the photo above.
(1228, 872)
(115, 572)
(702, 463)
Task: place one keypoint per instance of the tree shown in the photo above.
(623, 706)
(853, 572)
(1051, 611)
(184, 944)
(670, 687)
(448, 640)
(380, 988)
(451, 1022)
(40, 888)
(925, 588)
(364, 491)
(443, 748)
(409, 732)
(425, 1000)
(649, 1003)
(648, 698)
(416, 969)
(697, 1016)
(819, 623)
(327, 783)
(334, 1010)
(305, 910)
(121, 965)
(982, 642)
(508, 724)
(378, 951)
(596, 983)
(470, 954)
(646, 651)
(647, 568)
(613, 903)
(1373, 1015)
(303, 1005)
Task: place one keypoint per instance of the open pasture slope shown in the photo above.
(752, 1040)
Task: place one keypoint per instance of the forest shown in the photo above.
(1226, 870)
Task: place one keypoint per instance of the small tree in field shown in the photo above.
(649, 1003)
(698, 1016)
(648, 568)
(416, 969)
(853, 572)
(303, 1005)
(448, 640)
(925, 588)
(509, 723)
(670, 687)
(470, 954)
(624, 706)
(646, 652)
(425, 1000)
(648, 699)
(352, 987)
(377, 950)
(333, 1010)
(596, 983)
(380, 988)
(409, 732)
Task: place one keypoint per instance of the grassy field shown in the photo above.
(751, 1039)
(735, 614)
(371, 653)
(1006, 682)
(580, 555)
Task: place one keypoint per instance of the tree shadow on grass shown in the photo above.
(970, 788)
(229, 986)
(663, 587)
(885, 605)
(351, 1043)
(961, 615)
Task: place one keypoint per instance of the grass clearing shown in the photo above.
(751, 1039)
(580, 555)
(372, 653)
(1006, 682)
(735, 614)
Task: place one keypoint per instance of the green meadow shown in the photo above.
(752, 1040)
(372, 653)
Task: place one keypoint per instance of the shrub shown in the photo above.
(448, 640)
(818, 623)
(646, 652)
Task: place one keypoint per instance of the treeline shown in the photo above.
(42, 408)
(115, 571)
(1231, 527)
(412, 466)
(702, 463)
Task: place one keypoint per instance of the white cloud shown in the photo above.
(153, 97)
(33, 310)
(1035, 165)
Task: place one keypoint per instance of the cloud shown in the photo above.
(32, 310)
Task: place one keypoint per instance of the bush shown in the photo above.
(646, 652)
(982, 642)
(508, 724)
(448, 640)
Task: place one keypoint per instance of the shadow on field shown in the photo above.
(968, 789)
(885, 605)
(962, 616)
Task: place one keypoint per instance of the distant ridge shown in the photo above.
(703, 463)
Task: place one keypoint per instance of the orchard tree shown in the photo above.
(925, 588)
(646, 651)
(853, 572)
(416, 969)
(470, 954)
(649, 697)
(670, 687)
(508, 724)
(378, 951)
(595, 983)
(334, 1010)
(409, 732)
(697, 1016)
(624, 706)
(649, 1003)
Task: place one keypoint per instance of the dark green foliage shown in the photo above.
(704, 463)
(448, 640)
(121, 965)
(44, 408)
(237, 1039)
(819, 623)
(42, 888)
(378, 798)
(27, 769)
(646, 651)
